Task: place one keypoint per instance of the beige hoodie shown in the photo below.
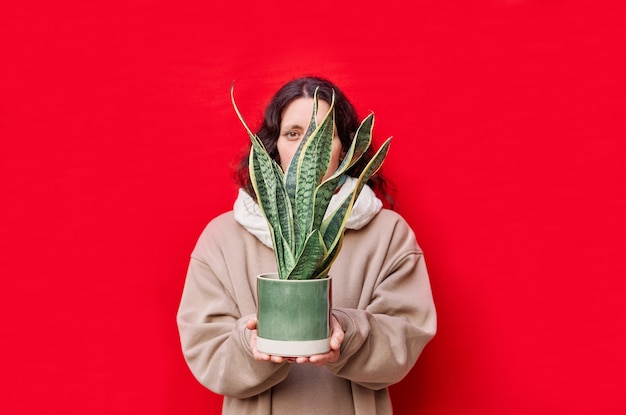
(382, 298)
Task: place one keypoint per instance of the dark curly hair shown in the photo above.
(346, 121)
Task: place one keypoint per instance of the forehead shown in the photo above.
(299, 111)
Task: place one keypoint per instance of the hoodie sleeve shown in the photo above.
(383, 341)
(213, 333)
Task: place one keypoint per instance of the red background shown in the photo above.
(117, 140)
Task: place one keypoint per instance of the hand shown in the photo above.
(336, 338)
(251, 325)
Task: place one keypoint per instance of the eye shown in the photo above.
(292, 135)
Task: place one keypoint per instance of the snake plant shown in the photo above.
(306, 240)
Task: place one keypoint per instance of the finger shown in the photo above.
(277, 359)
(251, 324)
(255, 353)
(260, 356)
(321, 359)
(316, 359)
(336, 340)
(337, 335)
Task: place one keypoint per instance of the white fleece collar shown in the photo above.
(367, 205)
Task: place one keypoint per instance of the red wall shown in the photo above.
(116, 144)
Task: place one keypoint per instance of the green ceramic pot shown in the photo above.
(293, 316)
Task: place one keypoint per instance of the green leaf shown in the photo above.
(291, 174)
(314, 253)
(323, 194)
(285, 260)
(262, 176)
(333, 226)
(310, 174)
(361, 141)
(309, 165)
(266, 177)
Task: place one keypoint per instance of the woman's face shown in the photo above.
(294, 124)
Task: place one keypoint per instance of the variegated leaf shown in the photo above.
(314, 253)
(358, 146)
(311, 158)
(362, 140)
(313, 164)
(333, 226)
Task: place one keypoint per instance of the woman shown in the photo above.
(383, 313)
